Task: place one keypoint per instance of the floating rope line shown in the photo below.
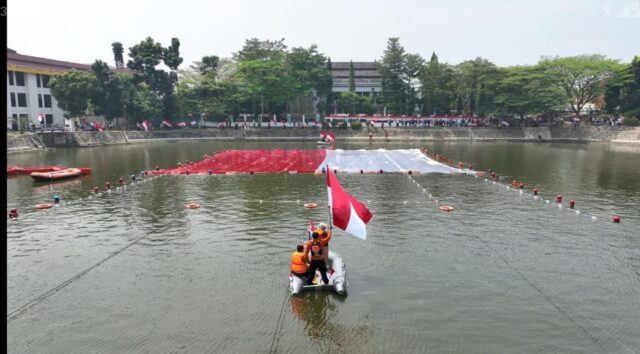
(20, 310)
(275, 333)
(93, 196)
(550, 300)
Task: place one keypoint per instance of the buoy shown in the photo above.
(43, 206)
(310, 205)
(616, 219)
(535, 191)
(446, 208)
(13, 213)
(192, 206)
(210, 172)
(572, 203)
(559, 198)
(96, 189)
(56, 199)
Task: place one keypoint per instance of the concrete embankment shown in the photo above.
(22, 142)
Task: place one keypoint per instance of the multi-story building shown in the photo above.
(366, 76)
(28, 92)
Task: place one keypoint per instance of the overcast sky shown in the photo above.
(507, 32)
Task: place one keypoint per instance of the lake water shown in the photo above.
(135, 271)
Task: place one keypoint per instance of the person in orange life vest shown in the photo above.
(299, 262)
(325, 237)
(314, 249)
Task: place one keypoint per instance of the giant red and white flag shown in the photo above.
(347, 212)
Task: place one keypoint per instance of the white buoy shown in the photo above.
(535, 197)
(559, 206)
(260, 201)
(405, 202)
(494, 182)
(521, 191)
(577, 212)
(546, 201)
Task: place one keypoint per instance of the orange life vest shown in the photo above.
(315, 247)
(298, 263)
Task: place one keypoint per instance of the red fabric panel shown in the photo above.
(256, 161)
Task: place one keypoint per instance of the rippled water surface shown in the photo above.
(135, 271)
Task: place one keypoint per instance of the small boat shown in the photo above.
(17, 170)
(56, 175)
(336, 272)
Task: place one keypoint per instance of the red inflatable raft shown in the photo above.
(17, 170)
(56, 175)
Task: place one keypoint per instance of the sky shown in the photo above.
(507, 32)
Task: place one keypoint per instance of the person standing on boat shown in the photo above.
(325, 237)
(299, 263)
(314, 248)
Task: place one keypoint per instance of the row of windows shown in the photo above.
(19, 78)
(48, 118)
(22, 100)
(16, 78)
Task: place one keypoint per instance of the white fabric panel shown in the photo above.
(388, 160)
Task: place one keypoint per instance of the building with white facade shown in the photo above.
(366, 76)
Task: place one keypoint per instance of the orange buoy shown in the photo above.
(192, 206)
(310, 205)
(43, 206)
(447, 208)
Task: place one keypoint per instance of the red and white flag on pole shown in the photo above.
(167, 124)
(323, 135)
(146, 125)
(347, 212)
(330, 137)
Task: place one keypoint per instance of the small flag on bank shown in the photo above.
(347, 212)
(167, 124)
(146, 125)
(330, 137)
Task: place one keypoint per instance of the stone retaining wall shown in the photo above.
(22, 142)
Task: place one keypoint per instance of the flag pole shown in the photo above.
(329, 206)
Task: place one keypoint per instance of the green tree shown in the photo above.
(476, 81)
(73, 91)
(352, 78)
(107, 96)
(255, 49)
(145, 57)
(439, 84)
(118, 51)
(527, 90)
(144, 104)
(400, 73)
(581, 77)
(622, 90)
